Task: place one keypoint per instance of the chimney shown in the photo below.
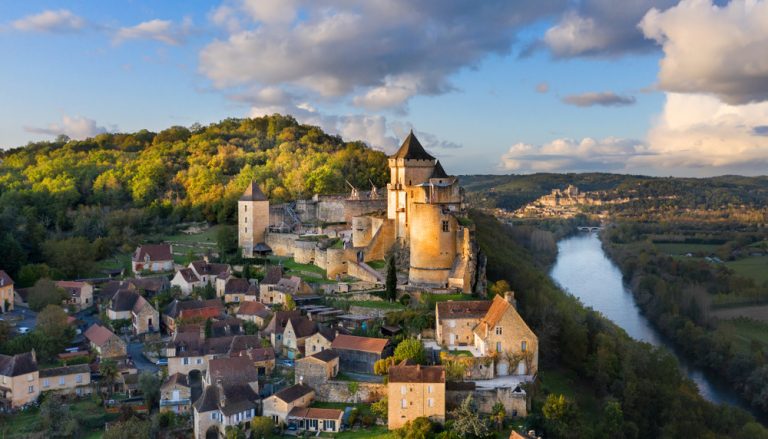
(301, 380)
(205, 258)
(509, 296)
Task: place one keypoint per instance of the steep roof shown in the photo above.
(253, 193)
(65, 370)
(404, 373)
(355, 343)
(411, 149)
(325, 355)
(498, 307)
(327, 333)
(188, 275)
(140, 304)
(463, 309)
(156, 252)
(74, 288)
(232, 370)
(235, 398)
(439, 172)
(259, 354)
(175, 308)
(176, 379)
(296, 391)
(273, 275)
(124, 300)
(315, 413)
(279, 320)
(5, 280)
(251, 308)
(19, 364)
(209, 268)
(237, 286)
(98, 334)
(302, 326)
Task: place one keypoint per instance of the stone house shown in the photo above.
(456, 321)
(191, 351)
(311, 419)
(235, 381)
(497, 332)
(67, 380)
(79, 294)
(208, 272)
(239, 290)
(255, 312)
(263, 359)
(105, 342)
(275, 328)
(415, 391)
(129, 304)
(186, 280)
(152, 257)
(190, 310)
(288, 286)
(317, 369)
(297, 329)
(278, 406)
(504, 334)
(319, 341)
(176, 394)
(223, 405)
(253, 220)
(7, 296)
(358, 354)
(19, 380)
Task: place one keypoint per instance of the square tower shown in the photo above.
(409, 167)
(252, 219)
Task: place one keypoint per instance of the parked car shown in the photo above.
(23, 330)
(162, 362)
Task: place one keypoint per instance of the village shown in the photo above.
(359, 310)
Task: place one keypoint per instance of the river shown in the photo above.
(584, 270)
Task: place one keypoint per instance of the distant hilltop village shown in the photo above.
(565, 203)
(423, 213)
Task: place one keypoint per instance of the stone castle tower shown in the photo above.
(252, 219)
(424, 202)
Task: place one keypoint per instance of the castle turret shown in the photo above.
(253, 218)
(410, 166)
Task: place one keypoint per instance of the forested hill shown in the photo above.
(207, 167)
(118, 185)
(513, 191)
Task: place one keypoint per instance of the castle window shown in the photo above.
(246, 220)
(246, 230)
(245, 208)
(523, 345)
(498, 330)
(404, 403)
(498, 346)
(445, 226)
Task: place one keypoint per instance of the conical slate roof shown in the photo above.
(411, 149)
(253, 193)
(439, 172)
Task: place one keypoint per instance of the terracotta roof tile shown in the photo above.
(403, 373)
(98, 334)
(355, 343)
(463, 309)
(156, 252)
(315, 413)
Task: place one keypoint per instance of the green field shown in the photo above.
(744, 332)
(376, 432)
(682, 248)
(754, 267)
(377, 265)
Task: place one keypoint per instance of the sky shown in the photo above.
(655, 87)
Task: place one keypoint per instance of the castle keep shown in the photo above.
(423, 213)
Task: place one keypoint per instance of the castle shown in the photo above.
(423, 214)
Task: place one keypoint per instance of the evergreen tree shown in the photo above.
(391, 278)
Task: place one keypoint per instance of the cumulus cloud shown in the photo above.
(704, 136)
(377, 54)
(601, 28)
(605, 99)
(710, 49)
(164, 31)
(74, 127)
(61, 21)
(570, 155)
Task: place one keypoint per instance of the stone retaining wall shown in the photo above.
(338, 391)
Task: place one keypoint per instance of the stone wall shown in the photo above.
(355, 270)
(515, 403)
(281, 243)
(337, 391)
(368, 312)
(353, 208)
